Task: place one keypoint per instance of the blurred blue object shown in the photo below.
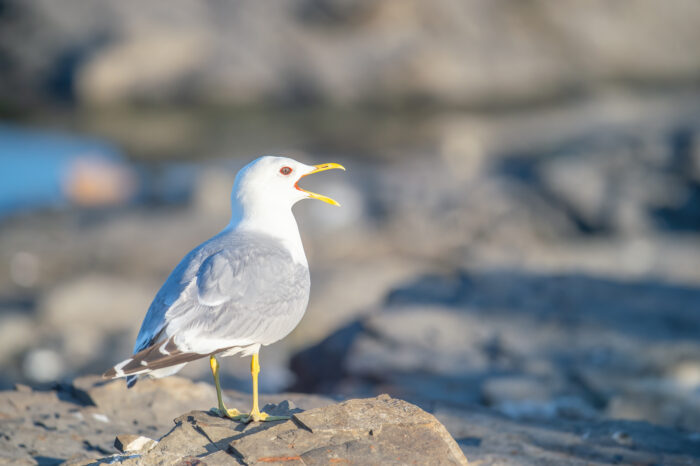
(41, 169)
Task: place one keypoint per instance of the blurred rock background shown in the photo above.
(521, 212)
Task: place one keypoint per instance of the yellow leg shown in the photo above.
(255, 413)
(254, 371)
(222, 411)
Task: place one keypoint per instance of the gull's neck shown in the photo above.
(276, 222)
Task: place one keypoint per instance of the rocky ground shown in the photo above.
(93, 422)
(530, 346)
(526, 268)
(547, 277)
(517, 253)
(340, 52)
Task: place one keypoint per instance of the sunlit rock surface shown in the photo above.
(93, 422)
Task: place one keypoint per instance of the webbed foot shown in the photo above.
(229, 413)
(259, 416)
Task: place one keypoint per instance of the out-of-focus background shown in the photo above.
(521, 212)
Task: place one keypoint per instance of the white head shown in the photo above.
(265, 191)
(272, 182)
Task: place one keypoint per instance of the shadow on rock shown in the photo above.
(646, 309)
(569, 346)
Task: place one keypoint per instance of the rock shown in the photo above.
(488, 438)
(340, 52)
(381, 430)
(686, 374)
(657, 400)
(78, 423)
(43, 365)
(630, 181)
(165, 398)
(532, 347)
(127, 443)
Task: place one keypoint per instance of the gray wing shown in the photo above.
(171, 291)
(235, 290)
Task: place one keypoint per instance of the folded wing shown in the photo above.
(232, 292)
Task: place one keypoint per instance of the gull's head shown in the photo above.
(273, 182)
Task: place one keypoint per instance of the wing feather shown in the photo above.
(216, 279)
(234, 290)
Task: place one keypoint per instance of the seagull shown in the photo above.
(244, 288)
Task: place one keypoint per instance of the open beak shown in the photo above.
(320, 168)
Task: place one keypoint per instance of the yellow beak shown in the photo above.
(320, 168)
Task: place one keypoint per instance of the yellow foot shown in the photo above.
(229, 413)
(258, 417)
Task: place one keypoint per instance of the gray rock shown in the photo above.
(340, 52)
(488, 438)
(127, 443)
(43, 365)
(371, 431)
(552, 346)
(78, 424)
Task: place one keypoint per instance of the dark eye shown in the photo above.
(285, 170)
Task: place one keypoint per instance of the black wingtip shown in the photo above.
(131, 381)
